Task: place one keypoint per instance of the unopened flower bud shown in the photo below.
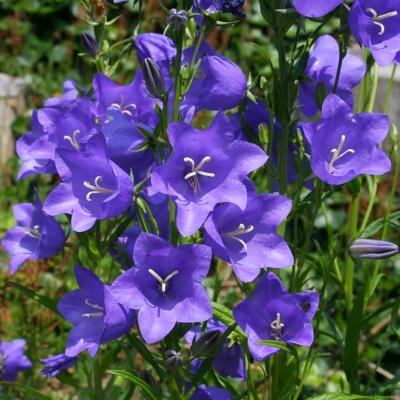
(178, 19)
(89, 43)
(206, 344)
(153, 78)
(368, 249)
(148, 377)
(173, 359)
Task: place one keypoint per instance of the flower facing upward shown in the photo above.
(315, 8)
(344, 145)
(274, 314)
(12, 359)
(206, 168)
(376, 25)
(248, 239)
(322, 69)
(165, 285)
(97, 317)
(37, 236)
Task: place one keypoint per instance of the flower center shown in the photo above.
(34, 232)
(193, 176)
(127, 109)
(95, 307)
(96, 188)
(163, 282)
(276, 327)
(377, 18)
(72, 139)
(337, 154)
(241, 230)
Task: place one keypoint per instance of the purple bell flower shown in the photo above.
(96, 315)
(322, 69)
(210, 393)
(100, 190)
(344, 145)
(206, 168)
(315, 8)
(247, 238)
(37, 236)
(52, 366)
(272, 313)
(376, 25)
(226, 6)
(165, 286)
(64, 102)
(12, 359)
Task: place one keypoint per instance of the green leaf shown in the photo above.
(36, 395)
(224, 314)
(344, 396)
(147, 390)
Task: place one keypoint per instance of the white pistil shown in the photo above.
(277, 326)
(34, 232)
(73, 139)
(377, 18)
(337, 154)
(125, 109)
(241, 230)
(96, 307)
(96, 188)
(193, 176)
(163, 282)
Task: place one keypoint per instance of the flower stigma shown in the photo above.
(337, 154)
(377, 18)
(241, 230)
(193, 176)
(96, 188)
(163, 282)
(72, 139)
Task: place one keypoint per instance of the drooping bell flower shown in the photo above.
(165, 285)
(12, 359)
(93, 186)
(376, 25)
(272, 313)
(210, 393)
(247, 238)
(345, 145)
(322, 68)
(315, 8)
(37, 236)
(54, 365)
(206, 168)
(96, 315)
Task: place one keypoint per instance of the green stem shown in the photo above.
(97, 379)
(389, 90)
(177, 73)
(370, 205)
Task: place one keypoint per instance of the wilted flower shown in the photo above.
(37, 236)
(210, 393)
(369, 249)
(12, 359)
(52, 366)
(165, 285)
(345, 145)
(315, 8)
(272, 313)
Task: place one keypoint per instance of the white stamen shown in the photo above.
(124, 108)
(95, 314)
(277, 326)
(192, 176)
(96, 188)
(73, 139)
(34, 232)
(337, 155)
(241, 230)
(163, 282)
(377, 18)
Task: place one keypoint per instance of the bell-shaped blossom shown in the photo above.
(376, 25)
(64, 102)
(12, 359)
(165, 285)
(96, 315)
(37, 236)
(315, 8)
(226, 6)
(229, 361)
(54, 365)
(247, 238)
(206, 168)
(272, 313)
(210, 393)
(93, 186)
(322, 68)
(344, 145)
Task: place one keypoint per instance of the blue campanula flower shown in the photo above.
(344, 145)
(12, 359)
(52, 366)
(165, 285)
(272, 313)
(96, 315)
(37, 236)
(93, 186)
(322, 68)
(206, 168)
(226, 6)
(315, 8)
(210, 393)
